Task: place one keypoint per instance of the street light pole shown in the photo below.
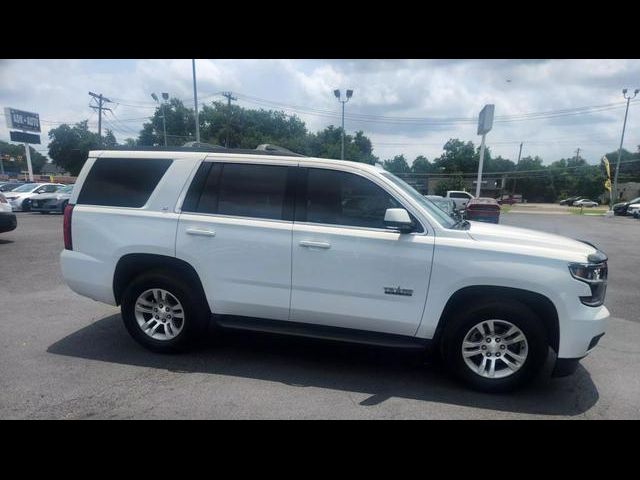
(164, 121)
(624, 126)
(349, 95)
(195, 99)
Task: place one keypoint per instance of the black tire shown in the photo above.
(196, 311)
(512, 311)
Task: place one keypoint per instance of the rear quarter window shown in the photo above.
(122, 182)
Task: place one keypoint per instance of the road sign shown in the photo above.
(485, 120)
(24, 137)
(21, 120)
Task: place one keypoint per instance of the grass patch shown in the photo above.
(505, 208)
(588, 211)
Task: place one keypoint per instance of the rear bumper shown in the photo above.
(88, 276)
(8, 222)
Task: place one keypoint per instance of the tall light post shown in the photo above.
(624, 126)
(338, 96)
(195, 99)
(165, 97)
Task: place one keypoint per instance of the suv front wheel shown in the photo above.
(163, 313)
(495, 346)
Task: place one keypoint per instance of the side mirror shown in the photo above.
(399, 219)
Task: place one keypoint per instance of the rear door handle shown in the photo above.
(311, 244)
(204, 233)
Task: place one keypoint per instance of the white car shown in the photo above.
(460, 198)
(243, 239)
(20, 198)
(585, 203)
(7, 217)
(634, 210)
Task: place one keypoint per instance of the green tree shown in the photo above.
(327, 144)
(451, 183)
(397, 164)
(20, 160)
(421, 165)
(180, 122)
(70, 145)
(458, 156)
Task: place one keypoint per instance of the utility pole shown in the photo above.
(624, 125)
(101, 100)
(578, 155)
(229, 96)
(195, 100)
(515, 179)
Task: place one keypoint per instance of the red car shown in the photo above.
(483, 209)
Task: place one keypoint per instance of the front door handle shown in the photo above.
(311, 244)
(204, 233)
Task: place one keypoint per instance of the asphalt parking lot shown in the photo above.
(68, 357)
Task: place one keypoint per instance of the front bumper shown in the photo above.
(580, 333)
(46, 206)
(8, 222)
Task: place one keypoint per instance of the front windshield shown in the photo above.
(27, 187)
(441, 217)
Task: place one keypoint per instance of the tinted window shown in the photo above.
(242, 190)
(340, 198)
(458, 195)
(122, 182)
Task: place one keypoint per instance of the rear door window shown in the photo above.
(241, 190)
(122, 182)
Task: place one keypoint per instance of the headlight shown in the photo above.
(594, 275)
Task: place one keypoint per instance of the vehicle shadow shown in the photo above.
(381, 373)
(3, 242)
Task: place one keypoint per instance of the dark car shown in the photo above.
(483, 209)
(507, 201)
(621, 208)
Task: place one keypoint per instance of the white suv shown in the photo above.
(332, 249)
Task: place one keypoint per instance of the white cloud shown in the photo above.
(57, 89)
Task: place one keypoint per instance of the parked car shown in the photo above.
(248, 239)
(7, 187)
(569, 201)
(20, 198)
(52, 202)
(621, 208)
(483, 209)
(445, 204)
(507, 201)
(634, 210)
(585, 202)
(461, 198)
(7, 217)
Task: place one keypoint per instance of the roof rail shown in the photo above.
(265, 149)
(269, 147)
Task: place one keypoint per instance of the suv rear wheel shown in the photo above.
(163, 313)
(495, 346)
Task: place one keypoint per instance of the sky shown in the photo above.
(409, 107)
